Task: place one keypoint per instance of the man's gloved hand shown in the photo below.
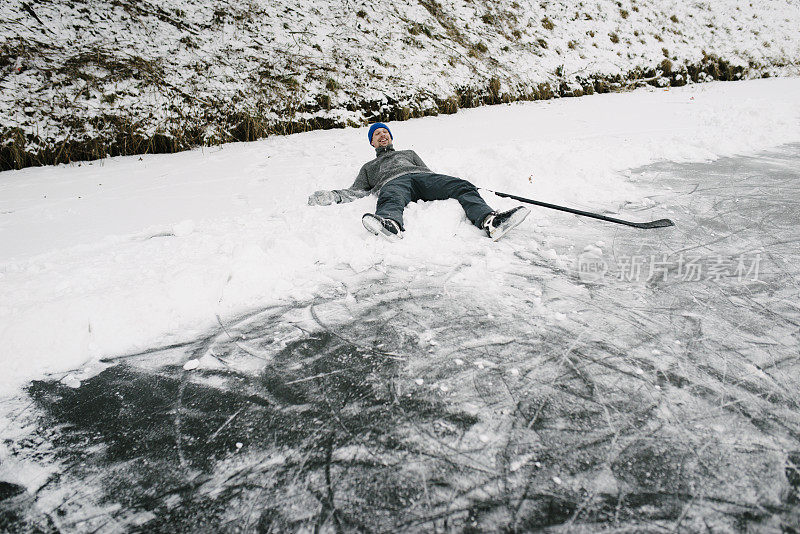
(324, 198)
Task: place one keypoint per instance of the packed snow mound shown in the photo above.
(86, 80)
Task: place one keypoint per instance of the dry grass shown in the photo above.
(277, 102)
(117, 135)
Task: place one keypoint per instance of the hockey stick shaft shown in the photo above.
(660, 223)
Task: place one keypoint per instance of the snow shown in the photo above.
(120, 255)
(163, 67)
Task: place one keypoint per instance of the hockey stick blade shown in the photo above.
(660, 223)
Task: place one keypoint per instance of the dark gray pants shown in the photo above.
(396, 195)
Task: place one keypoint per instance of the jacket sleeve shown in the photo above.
(359, 189)
(418, 160)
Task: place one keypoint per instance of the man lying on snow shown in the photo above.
(399, 177)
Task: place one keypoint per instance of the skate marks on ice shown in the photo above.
(399, 407)
(426, 401)
(721, 319)
(347, 414)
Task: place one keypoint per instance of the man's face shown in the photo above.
(381, 137)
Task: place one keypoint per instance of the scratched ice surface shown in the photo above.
(656, 392)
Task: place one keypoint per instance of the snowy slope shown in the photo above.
(116, 256)
(83, 80)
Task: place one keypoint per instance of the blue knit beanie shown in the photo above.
(375, 127)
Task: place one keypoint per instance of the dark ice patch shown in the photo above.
(9, 489)
(158, 443)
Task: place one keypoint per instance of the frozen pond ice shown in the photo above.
(657, 390)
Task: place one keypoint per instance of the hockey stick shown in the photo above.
(660, 223)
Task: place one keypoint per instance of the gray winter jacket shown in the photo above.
(387, 165)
